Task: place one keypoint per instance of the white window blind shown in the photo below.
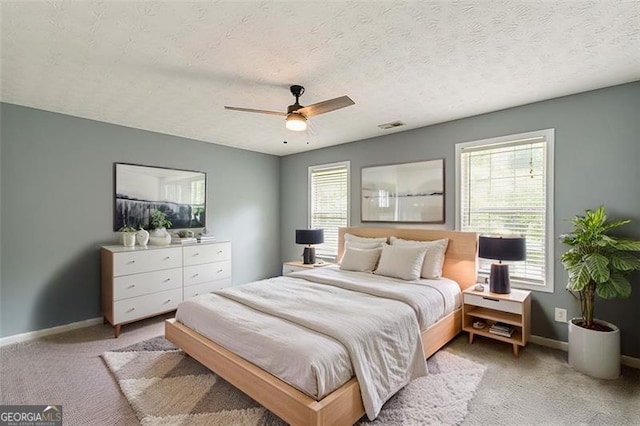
(504, 188)
(329, 204)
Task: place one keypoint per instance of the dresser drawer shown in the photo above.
(143, 306)
(493, 303)
(135, 285)
(198, 289)
(208, 272)
(134, 262)
(205, 253)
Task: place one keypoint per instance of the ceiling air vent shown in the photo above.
(387, 126)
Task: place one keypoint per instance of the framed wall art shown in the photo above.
(140, 190)
(409, 192)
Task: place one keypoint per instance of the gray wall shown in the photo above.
(57, 209)
(597, 161)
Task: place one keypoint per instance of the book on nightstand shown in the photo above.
(502, 329)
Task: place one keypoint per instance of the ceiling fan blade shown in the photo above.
(259, 111)
(326, 106)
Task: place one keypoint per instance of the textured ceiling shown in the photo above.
(170, 67)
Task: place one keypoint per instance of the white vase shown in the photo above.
(596, 353)
(142, 237)
(159, 237)
(128, 239)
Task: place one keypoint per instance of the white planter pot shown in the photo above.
(596, 353)
(128, 239)
(159, 237)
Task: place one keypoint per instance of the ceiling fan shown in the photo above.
(297, 115)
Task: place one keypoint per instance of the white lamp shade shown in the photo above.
(296, 122)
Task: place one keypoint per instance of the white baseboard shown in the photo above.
(549, 343)
(629, 361)
(16, 338)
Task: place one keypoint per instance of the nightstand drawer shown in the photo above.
(287, 269)
(493, 303)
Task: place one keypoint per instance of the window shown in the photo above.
(505, 185)
(329, 203)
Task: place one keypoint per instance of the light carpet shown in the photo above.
(166, 388)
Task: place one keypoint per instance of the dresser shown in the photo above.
(140, 282)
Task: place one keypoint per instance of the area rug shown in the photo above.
(166, 388)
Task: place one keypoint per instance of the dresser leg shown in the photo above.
(104, 320)
(470, 338)
(116, 330)
(516, 350)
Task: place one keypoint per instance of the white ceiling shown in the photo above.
(170, 67)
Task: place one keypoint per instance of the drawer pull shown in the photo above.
(219, 251)
(196, 254)
(195, 294)
(167, 280)
(131, 310)
(167, 258)
(194, 275)
(131, 261)
(491, 298)
(168, 300)
(220, 270)
(131, 286)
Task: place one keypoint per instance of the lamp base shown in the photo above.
(499, 279)
(309, 256)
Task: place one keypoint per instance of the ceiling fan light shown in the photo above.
(296, 122)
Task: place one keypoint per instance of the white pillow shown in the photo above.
(434, 259)
(401, 262)
(361, 260)
(363, 245)
(364, 240)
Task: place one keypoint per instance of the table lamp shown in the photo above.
(501, 248)
(309, 237)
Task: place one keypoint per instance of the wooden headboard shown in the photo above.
(460, 263)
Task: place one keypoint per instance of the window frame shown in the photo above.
(320, 167)
(549, 139)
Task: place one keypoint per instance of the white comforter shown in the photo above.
(431, 300)
(382, 336)
(277, 324)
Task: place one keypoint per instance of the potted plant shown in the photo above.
(128, 235)
(598, 264)
(158, 225)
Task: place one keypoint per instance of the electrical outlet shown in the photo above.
(561, 315)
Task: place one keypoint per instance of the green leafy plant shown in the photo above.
(160, 220)
(598, 263)
(127, 229)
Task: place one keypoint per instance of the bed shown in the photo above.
(345, 404)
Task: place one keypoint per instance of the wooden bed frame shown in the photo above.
(344, 405)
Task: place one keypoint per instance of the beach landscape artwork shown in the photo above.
(409, 192)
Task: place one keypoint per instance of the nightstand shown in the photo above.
(289, 267)
(489, 308)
